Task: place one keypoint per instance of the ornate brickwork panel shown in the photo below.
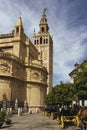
(17, 70)
(35, 75)
(4, 66)
(44, 54)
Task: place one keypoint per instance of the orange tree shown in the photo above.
(80, 82)
(61, 94)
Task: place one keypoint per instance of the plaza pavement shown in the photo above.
(36, 121)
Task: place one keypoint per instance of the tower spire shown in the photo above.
(19, 27)
(43, 23)
(19, 22)
(44, 10)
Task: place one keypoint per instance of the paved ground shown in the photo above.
(35, 122)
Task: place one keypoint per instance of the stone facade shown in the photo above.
(23, 73)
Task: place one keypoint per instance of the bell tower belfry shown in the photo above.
(44, 43)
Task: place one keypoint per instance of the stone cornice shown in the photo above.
(9, 56)
(38, 83)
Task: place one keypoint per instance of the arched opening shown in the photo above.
(40, 40)
(42, 29)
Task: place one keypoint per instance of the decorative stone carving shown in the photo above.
(45, 55)
(35, 76)
(44, 77)
(4, 67)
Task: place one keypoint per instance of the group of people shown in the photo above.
(64, 109)
(69, 110)
(75, 110)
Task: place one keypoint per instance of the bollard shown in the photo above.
(37, 110)
(2, 109)
(30, 111)
(10, 110)
(19, 111)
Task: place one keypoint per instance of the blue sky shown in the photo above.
(67, 20)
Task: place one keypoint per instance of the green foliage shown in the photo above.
(80, 83)
(63, 93)
(2, 117)
(49, 99)
(66, 93)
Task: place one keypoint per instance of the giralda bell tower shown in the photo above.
(44, 43)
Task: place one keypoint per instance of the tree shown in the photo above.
(50, 98)
(80, 82)
(61, 94)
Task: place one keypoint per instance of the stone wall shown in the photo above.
(5, 89)
(22, 75)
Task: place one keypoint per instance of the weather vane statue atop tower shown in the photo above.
(44, 10)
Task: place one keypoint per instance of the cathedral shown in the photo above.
(26, 67)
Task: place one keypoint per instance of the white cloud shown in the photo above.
(68, 49)
(69, 46)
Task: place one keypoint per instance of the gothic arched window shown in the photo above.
(40, 40)
(46, 40)
(35, 42)
(42, 29)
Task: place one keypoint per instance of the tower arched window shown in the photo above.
(42, 29)
(40, 40)
(34, 41)
(46, 40)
